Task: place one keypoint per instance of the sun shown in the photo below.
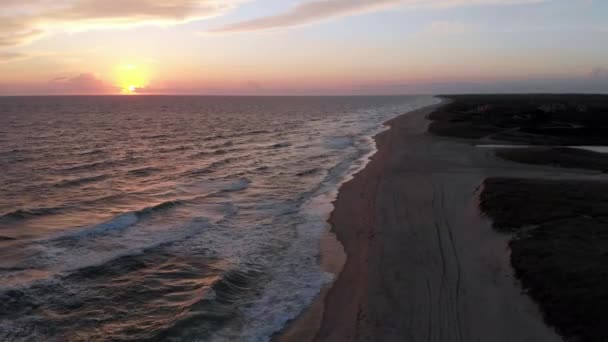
(130, 78)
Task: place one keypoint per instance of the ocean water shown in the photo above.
(171, 218)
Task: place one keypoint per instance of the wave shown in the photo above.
(256, 132)
(339, 143)
(235, 135)
(216, 152)
(219, 305)
(91, 152)
(174, 149)
(80, 181)
(157, 136)
(281, 145)
(309, 172)
(188, 303)
(115, 223)
(213, 166)
(220, 145)
(144, 171)
(239, 185)
(12, 152)
(159, 207)
(90, 166)
(120, 222)
(23, 214)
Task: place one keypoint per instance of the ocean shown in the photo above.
(178, 218)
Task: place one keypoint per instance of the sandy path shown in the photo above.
(423, 265)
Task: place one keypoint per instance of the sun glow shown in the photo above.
(130, 78)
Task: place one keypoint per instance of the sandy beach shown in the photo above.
(422, 263)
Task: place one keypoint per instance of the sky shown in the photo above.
(302, 47)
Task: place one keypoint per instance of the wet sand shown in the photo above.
(306, 326)
(422, 263)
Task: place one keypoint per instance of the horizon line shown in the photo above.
(305, 95)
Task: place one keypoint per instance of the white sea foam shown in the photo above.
(120, 222)
(239, 185)
(297, 277)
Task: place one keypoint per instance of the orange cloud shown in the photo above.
(12, 56)
(83, 84)
(25, 20)
(16, 31)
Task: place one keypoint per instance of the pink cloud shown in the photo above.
(319, 10)
(22, 21)
(81, 84)
(85, 83)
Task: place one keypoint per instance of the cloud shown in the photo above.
(22, 21)
(82, 84)
(319, 10)
(123, 11)
(16, 31)
(12, 56)
(25, 20)
(309, 12)
(457, 3)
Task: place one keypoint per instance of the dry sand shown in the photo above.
(423, 264)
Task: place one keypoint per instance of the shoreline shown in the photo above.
(306, 326)
(333, 256)
(372, 171)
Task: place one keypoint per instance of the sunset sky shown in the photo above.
(263, 47)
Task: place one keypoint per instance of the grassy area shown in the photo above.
(559, 249)
(557, 156)
(525, 119)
